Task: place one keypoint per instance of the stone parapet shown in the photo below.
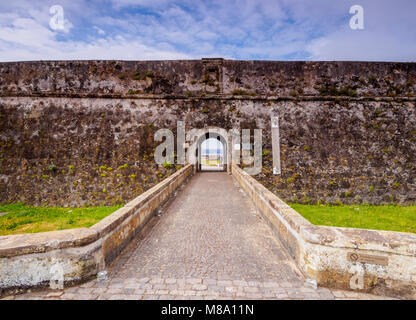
(76, 255)
(373, 261)
(210, 76)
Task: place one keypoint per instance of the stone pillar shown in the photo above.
(229, 153)
(276, 146)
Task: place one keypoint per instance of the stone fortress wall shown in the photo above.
(81, 132)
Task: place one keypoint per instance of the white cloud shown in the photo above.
(104, 49)
(361, 45)
(30, 38)
(389, 35)
(27, 40)
(100, 31)
(244, 29)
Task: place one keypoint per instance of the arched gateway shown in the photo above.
(198, 136)
(222, 162)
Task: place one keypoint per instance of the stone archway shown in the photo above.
(205, 137)
(198, 136)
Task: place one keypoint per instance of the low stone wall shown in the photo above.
(378, 262)
(75, 255)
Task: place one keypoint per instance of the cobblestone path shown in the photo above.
(208, 243)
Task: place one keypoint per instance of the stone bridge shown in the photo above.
(210, 242)
(347, 134)
(208, 235)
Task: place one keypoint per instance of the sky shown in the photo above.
(211, 146)
(193, 29)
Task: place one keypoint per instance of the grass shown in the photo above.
(391, 218)
(210, 162)
(27, 219)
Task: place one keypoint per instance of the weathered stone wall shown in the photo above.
(210, 76)
(81, 132)
(345, 151)
(76, 152)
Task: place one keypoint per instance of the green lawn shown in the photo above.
(210, 162)
(392, 218)
(26, 219)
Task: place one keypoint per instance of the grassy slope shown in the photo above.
(393, 218)
(26, 219)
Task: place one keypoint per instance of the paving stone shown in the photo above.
(127, 291)
(193, 281)
(143, 280)
(170, 281)
(171, 286)
(130, 280)
(239, 293)
(177, 292)
(103, 284)
(267, 290)
(268, 295)
(114, 290)
(199, 287)
(156, 281)
(230, 289)
(55, 294)
(286, 284)
(216, 288)
(326, 296)
(227, 294)
(338, 294)
(251, 289)
(87, 284)
(71, 290)
(254, 296)
(69, 296)
(210, 282)
(150, 297)
(159, 286)
(240, 283)
(271, 285)
(306, 290)
(91, 296)
(21, 297)
(162, 292)
(119, 297)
